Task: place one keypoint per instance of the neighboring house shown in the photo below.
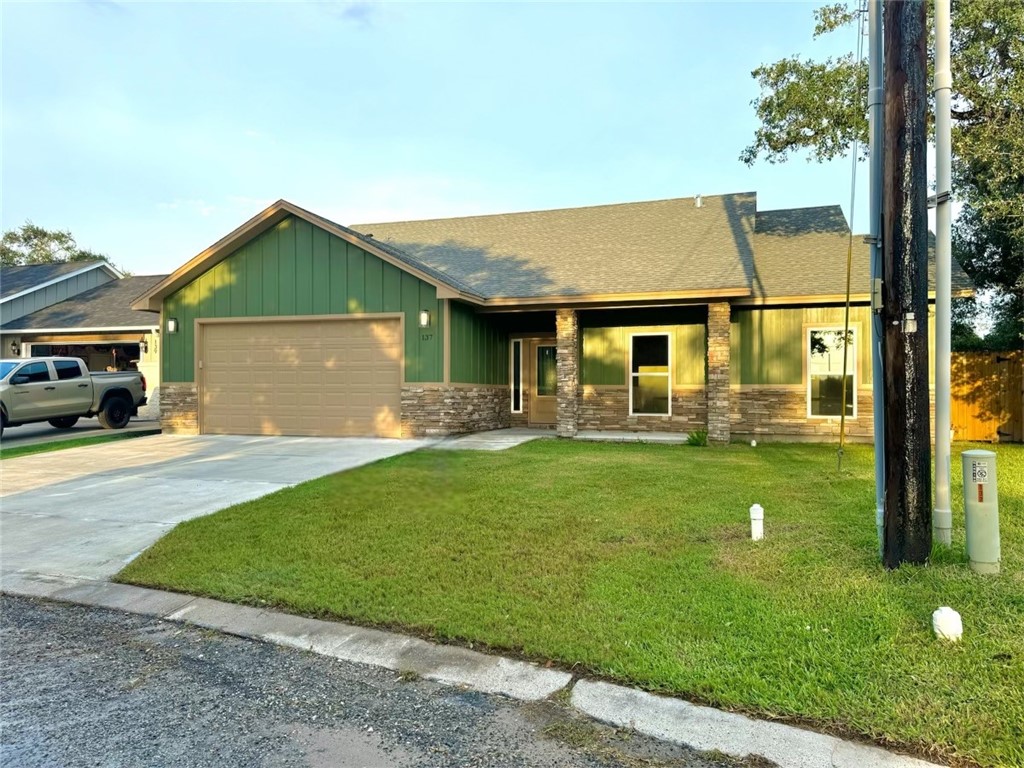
(31, 287)
(681, 315)
(80, 310)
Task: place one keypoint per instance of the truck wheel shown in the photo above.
(115, 414)
(64, 422)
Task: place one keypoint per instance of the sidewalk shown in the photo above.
(661, 717)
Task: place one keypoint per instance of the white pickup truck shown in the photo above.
(61, 390)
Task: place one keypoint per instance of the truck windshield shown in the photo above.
(6, 368)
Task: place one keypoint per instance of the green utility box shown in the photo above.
(981, 510)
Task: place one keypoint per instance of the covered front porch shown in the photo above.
(628, 370)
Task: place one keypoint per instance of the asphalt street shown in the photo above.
(90, 687)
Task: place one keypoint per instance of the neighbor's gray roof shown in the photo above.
(802, 252)
(23, 277)
(105, 306)
(650, 247)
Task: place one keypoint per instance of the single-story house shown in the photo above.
(80, 309)
(672, 315)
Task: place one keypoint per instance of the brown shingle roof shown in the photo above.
(802, 252)
(650, 247)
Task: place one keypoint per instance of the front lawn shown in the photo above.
(633, 562)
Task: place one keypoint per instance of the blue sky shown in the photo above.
(152, 130)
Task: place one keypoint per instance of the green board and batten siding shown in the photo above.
(479, 349)
(769, 345)
(605, 353)
(296, 268)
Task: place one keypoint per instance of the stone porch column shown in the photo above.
(567, 331)
(718, 372)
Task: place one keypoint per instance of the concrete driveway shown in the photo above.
(87, 511)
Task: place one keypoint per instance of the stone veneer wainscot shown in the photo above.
(179, 408)
(607, 407)
(430, 410)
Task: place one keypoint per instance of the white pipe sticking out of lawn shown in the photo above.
(757, 522)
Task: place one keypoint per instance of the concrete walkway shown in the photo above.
(503, 439)
(661, 717)
(87, 511)
(493, 440)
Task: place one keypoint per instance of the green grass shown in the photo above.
(60, 445)
(633, 562)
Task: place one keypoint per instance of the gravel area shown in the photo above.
(90, 687)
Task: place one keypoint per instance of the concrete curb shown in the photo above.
(705, 728)
(665, 718)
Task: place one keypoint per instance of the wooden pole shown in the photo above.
(908, 525)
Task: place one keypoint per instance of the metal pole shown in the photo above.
(942, 518)
(876, 93)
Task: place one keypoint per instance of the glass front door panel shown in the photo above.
(547, 371)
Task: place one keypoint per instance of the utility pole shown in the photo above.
(908, 524)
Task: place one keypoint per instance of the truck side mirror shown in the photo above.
(20, 378)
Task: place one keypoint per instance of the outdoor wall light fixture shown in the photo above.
(144, 346)
(424, 318)
(172, 325)
(15, 351)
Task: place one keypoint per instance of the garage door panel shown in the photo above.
(323, 377)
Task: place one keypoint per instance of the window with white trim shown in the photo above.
(650, 377)
(517, 375)
(826, 349)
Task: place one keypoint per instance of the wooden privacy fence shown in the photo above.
(987, 396)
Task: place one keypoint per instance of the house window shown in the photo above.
(650, 368)
(826, 350)
(547, 371)
(517, 375)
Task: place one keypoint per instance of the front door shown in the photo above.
(543, 382)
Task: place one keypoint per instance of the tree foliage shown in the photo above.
(820, 108)
(32, 244)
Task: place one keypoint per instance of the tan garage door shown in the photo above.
(337, 378)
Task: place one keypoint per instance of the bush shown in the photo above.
(698, 437)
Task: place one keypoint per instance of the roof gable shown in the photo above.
(265, 220)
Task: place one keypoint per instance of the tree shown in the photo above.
(31, 244)
(820, 108)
